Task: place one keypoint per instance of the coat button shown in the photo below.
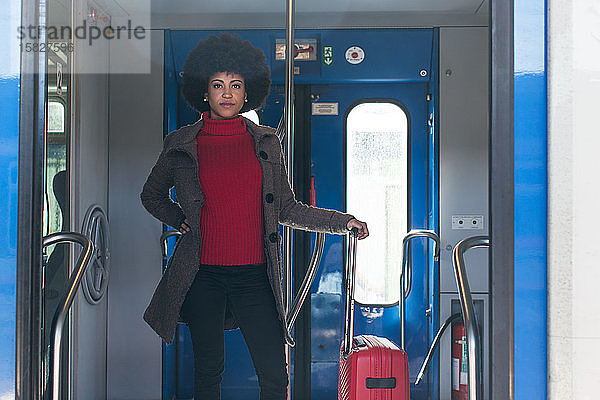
(263, 155)
(273, 238)
(269, 197)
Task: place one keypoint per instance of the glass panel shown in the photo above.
(376, 187)
(56, 117)
(252, 115)
(55, 265)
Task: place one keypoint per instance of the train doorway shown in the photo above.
(420, 75)
(365, 143)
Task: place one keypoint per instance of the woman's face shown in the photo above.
(226, 95)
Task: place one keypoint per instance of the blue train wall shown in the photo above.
(409, 65)
(9, 144)
(531, 188)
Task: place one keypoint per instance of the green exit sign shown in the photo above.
(327, 55)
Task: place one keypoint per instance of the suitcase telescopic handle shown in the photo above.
(350, 278)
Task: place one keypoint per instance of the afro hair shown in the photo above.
(227, 53)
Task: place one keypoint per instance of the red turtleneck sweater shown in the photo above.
(231, 221)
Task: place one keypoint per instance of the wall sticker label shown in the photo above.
(355, 55)
(325, 108)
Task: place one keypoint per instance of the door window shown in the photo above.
(377, 192)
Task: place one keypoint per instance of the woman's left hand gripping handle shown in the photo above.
(363, 232)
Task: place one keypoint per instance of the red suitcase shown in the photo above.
(371, 367)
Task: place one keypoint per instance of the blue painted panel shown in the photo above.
(327, 167)
(391, 55)
(9, 144)
(530, 170)
(324, 379)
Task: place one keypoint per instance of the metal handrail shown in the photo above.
(163, 241)
(58, 321)
(468, 313)
(315, 261)
(350, 276)
(406, 273)
(288, 112)
(436, 341)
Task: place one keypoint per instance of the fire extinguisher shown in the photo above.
(459, 350)
(460, 376)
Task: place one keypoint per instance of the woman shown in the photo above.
(232, 191)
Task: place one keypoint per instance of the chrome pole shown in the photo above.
(289, 129)
(468, 313)
(289, 137)
(406, 273)
(58, 322)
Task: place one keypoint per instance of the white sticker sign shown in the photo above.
(355, 55)
(325, 108)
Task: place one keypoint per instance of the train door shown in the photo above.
(369, 156)
(362, 133)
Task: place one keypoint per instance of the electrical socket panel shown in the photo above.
(467, 222)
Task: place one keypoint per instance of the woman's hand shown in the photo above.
(185, 226)
(363, 232)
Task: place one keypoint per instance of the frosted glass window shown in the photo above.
(377, 181)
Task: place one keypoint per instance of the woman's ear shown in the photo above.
(205, 96)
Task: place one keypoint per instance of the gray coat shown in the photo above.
(177, 166)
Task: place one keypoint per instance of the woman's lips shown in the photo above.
(227, 105)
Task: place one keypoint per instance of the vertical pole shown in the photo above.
(289, 137)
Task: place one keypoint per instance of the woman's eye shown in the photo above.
(236, 86)
(216, 85)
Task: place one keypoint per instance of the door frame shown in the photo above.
(501, 194)
(28, 351)
(501, 198)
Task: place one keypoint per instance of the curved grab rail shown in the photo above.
(406, 265)
(58, 321)
(163, 241)
(406, 273)
(468, 313)
(436, 342)
(315, 261)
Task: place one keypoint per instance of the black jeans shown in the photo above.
(247, 292)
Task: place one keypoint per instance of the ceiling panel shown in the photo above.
(187, 7)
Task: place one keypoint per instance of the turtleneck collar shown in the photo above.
(222, 127)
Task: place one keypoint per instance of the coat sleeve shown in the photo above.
(298, 215)
(155, 194)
